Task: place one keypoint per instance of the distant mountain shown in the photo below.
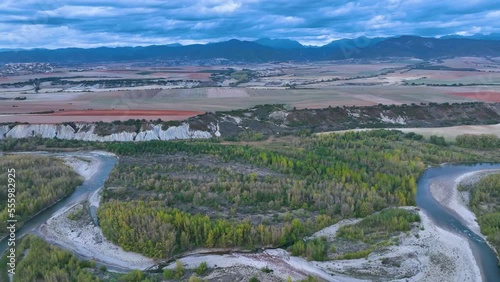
(247, 51)
(477, 36)
(279, 43)
(360, 42)
(426, 48)
(9, 49)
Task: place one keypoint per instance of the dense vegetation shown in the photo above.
(483, 141)
(40, 181)
(379, 226)
(485, 203)
(40, 261)
(48, 144)
(315, 249)
(167, 197)
(364, 237)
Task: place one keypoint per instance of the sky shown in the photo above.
(92, 23)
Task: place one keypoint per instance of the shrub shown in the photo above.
(179, 269)
(168, 273)
(202, 268)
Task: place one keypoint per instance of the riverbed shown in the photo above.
(94, 167)
(448, 230)
(451, 215)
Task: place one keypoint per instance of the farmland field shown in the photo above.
(75, 93)
(449, 133)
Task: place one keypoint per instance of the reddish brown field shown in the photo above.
(99, 115)
(199, 76)
(131, 113)
(487, 96)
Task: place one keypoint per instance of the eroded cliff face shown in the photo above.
(3, 130)
(86, 132)
(267, 120)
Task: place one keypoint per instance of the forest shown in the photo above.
(40, 261)
(189, 194)
(482, 141)
(485, 203)
(39, 181)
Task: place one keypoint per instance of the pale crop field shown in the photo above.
(449, 133)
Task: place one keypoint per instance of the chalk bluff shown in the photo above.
(87, 132)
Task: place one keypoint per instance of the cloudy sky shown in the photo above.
(92, 23)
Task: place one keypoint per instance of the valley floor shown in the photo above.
(426, 253)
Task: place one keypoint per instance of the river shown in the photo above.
(445, 218)
(82, 192)
(448, 219)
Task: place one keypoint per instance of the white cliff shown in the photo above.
(85, 132)
(3, 130)
(182, 132)
(42, 130)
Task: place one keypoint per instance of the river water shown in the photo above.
(447, 219)
(81, 192)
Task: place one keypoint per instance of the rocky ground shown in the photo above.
(428, 253)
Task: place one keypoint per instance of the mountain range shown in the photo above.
(272, 50)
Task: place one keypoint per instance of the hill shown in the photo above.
(267, 50)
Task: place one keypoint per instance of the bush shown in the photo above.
(379, 226)
(201, 269)
(133, 276)
(266, 269)
(168, 273)
(194, 278)
(356, 255)
(179, 269)
(437, 140)
(310, 279)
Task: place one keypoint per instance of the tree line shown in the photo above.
(481, 141)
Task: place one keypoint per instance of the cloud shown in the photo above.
(88, 23)
(493, 15)
(227, 7)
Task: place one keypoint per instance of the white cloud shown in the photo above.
(493, 15)
(93, 12)
(380, 21)
(473, 30)
(345, 9)
(288, 20)
(83, 23)
(227, 7)
(205, 25)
